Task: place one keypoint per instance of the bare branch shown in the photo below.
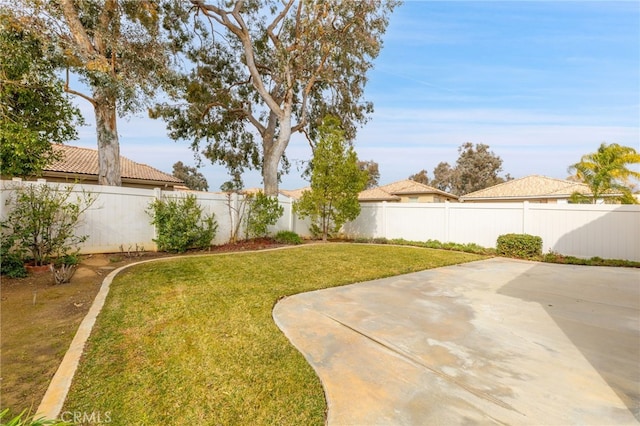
(73, 92)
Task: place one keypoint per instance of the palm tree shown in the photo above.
(607, 171)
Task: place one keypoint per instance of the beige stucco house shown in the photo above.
(81, 165)
(534, 189)
(406, 191)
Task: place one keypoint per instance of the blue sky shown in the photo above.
(540, 82)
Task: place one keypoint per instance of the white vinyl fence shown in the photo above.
(603, 230)
(118, 221)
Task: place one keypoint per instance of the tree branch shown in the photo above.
(73, 92)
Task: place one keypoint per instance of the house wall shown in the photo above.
(118, 219)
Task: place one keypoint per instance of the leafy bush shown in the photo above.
(13, 266)
(264, 211)
(288, 237)
(523, 246)
(42, 221)
(11, 262)
(181, 225)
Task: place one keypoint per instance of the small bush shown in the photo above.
(264, 211)
(287, 237)
(181, 225)
(522, 246)
(13, 266)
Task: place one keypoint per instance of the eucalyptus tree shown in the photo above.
(121, 51)
(265, 69)
(608, 170)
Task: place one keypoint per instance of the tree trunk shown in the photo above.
(108, 145)
(273, 151)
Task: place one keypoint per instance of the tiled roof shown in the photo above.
(84, 161)
(294, 194)
(377, 194)
(531, 187)
(408, 186)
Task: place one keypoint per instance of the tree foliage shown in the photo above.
(373, 173)
(192, 178)
(476, 168)
(34, 111)
(607, 171)
(336, 181)
(420, 177)
(266, 69)
(119, 49)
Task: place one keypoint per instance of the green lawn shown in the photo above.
(192, 341)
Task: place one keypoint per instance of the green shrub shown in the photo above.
(288, 237)
(13, 266)
(42, 220)
(263, 211)
(522, 246)
(181, 225)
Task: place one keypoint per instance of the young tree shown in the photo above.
(371, 167)
(276, 67)
(607, 171)
(336, 181)
(476, 168)
(192, 178)
(34, 111)
(118, 48)
(420, 177)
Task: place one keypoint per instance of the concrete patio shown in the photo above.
(493, 342)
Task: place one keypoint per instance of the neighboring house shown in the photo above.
(406, 191)
(81, 165)
(534, 188)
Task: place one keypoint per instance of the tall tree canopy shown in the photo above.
(420, 177)
(265, 69)
(336, 181)
(192, 178)
(608, 171)
(373, 173)
(476, 168)
(119, 49)
(34, 111)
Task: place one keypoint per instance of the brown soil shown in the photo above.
(39, 319)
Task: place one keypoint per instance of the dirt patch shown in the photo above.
(39, 319)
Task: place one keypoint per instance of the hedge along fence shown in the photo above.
(118, 219)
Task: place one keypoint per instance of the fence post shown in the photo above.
(447, 211)
(157, 195)
(525, 216)
(384, 219)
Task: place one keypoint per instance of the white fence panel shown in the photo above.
(603, 230)
(117, 220)
(483, 223)
(416, 221)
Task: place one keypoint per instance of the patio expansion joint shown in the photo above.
(407, 356)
